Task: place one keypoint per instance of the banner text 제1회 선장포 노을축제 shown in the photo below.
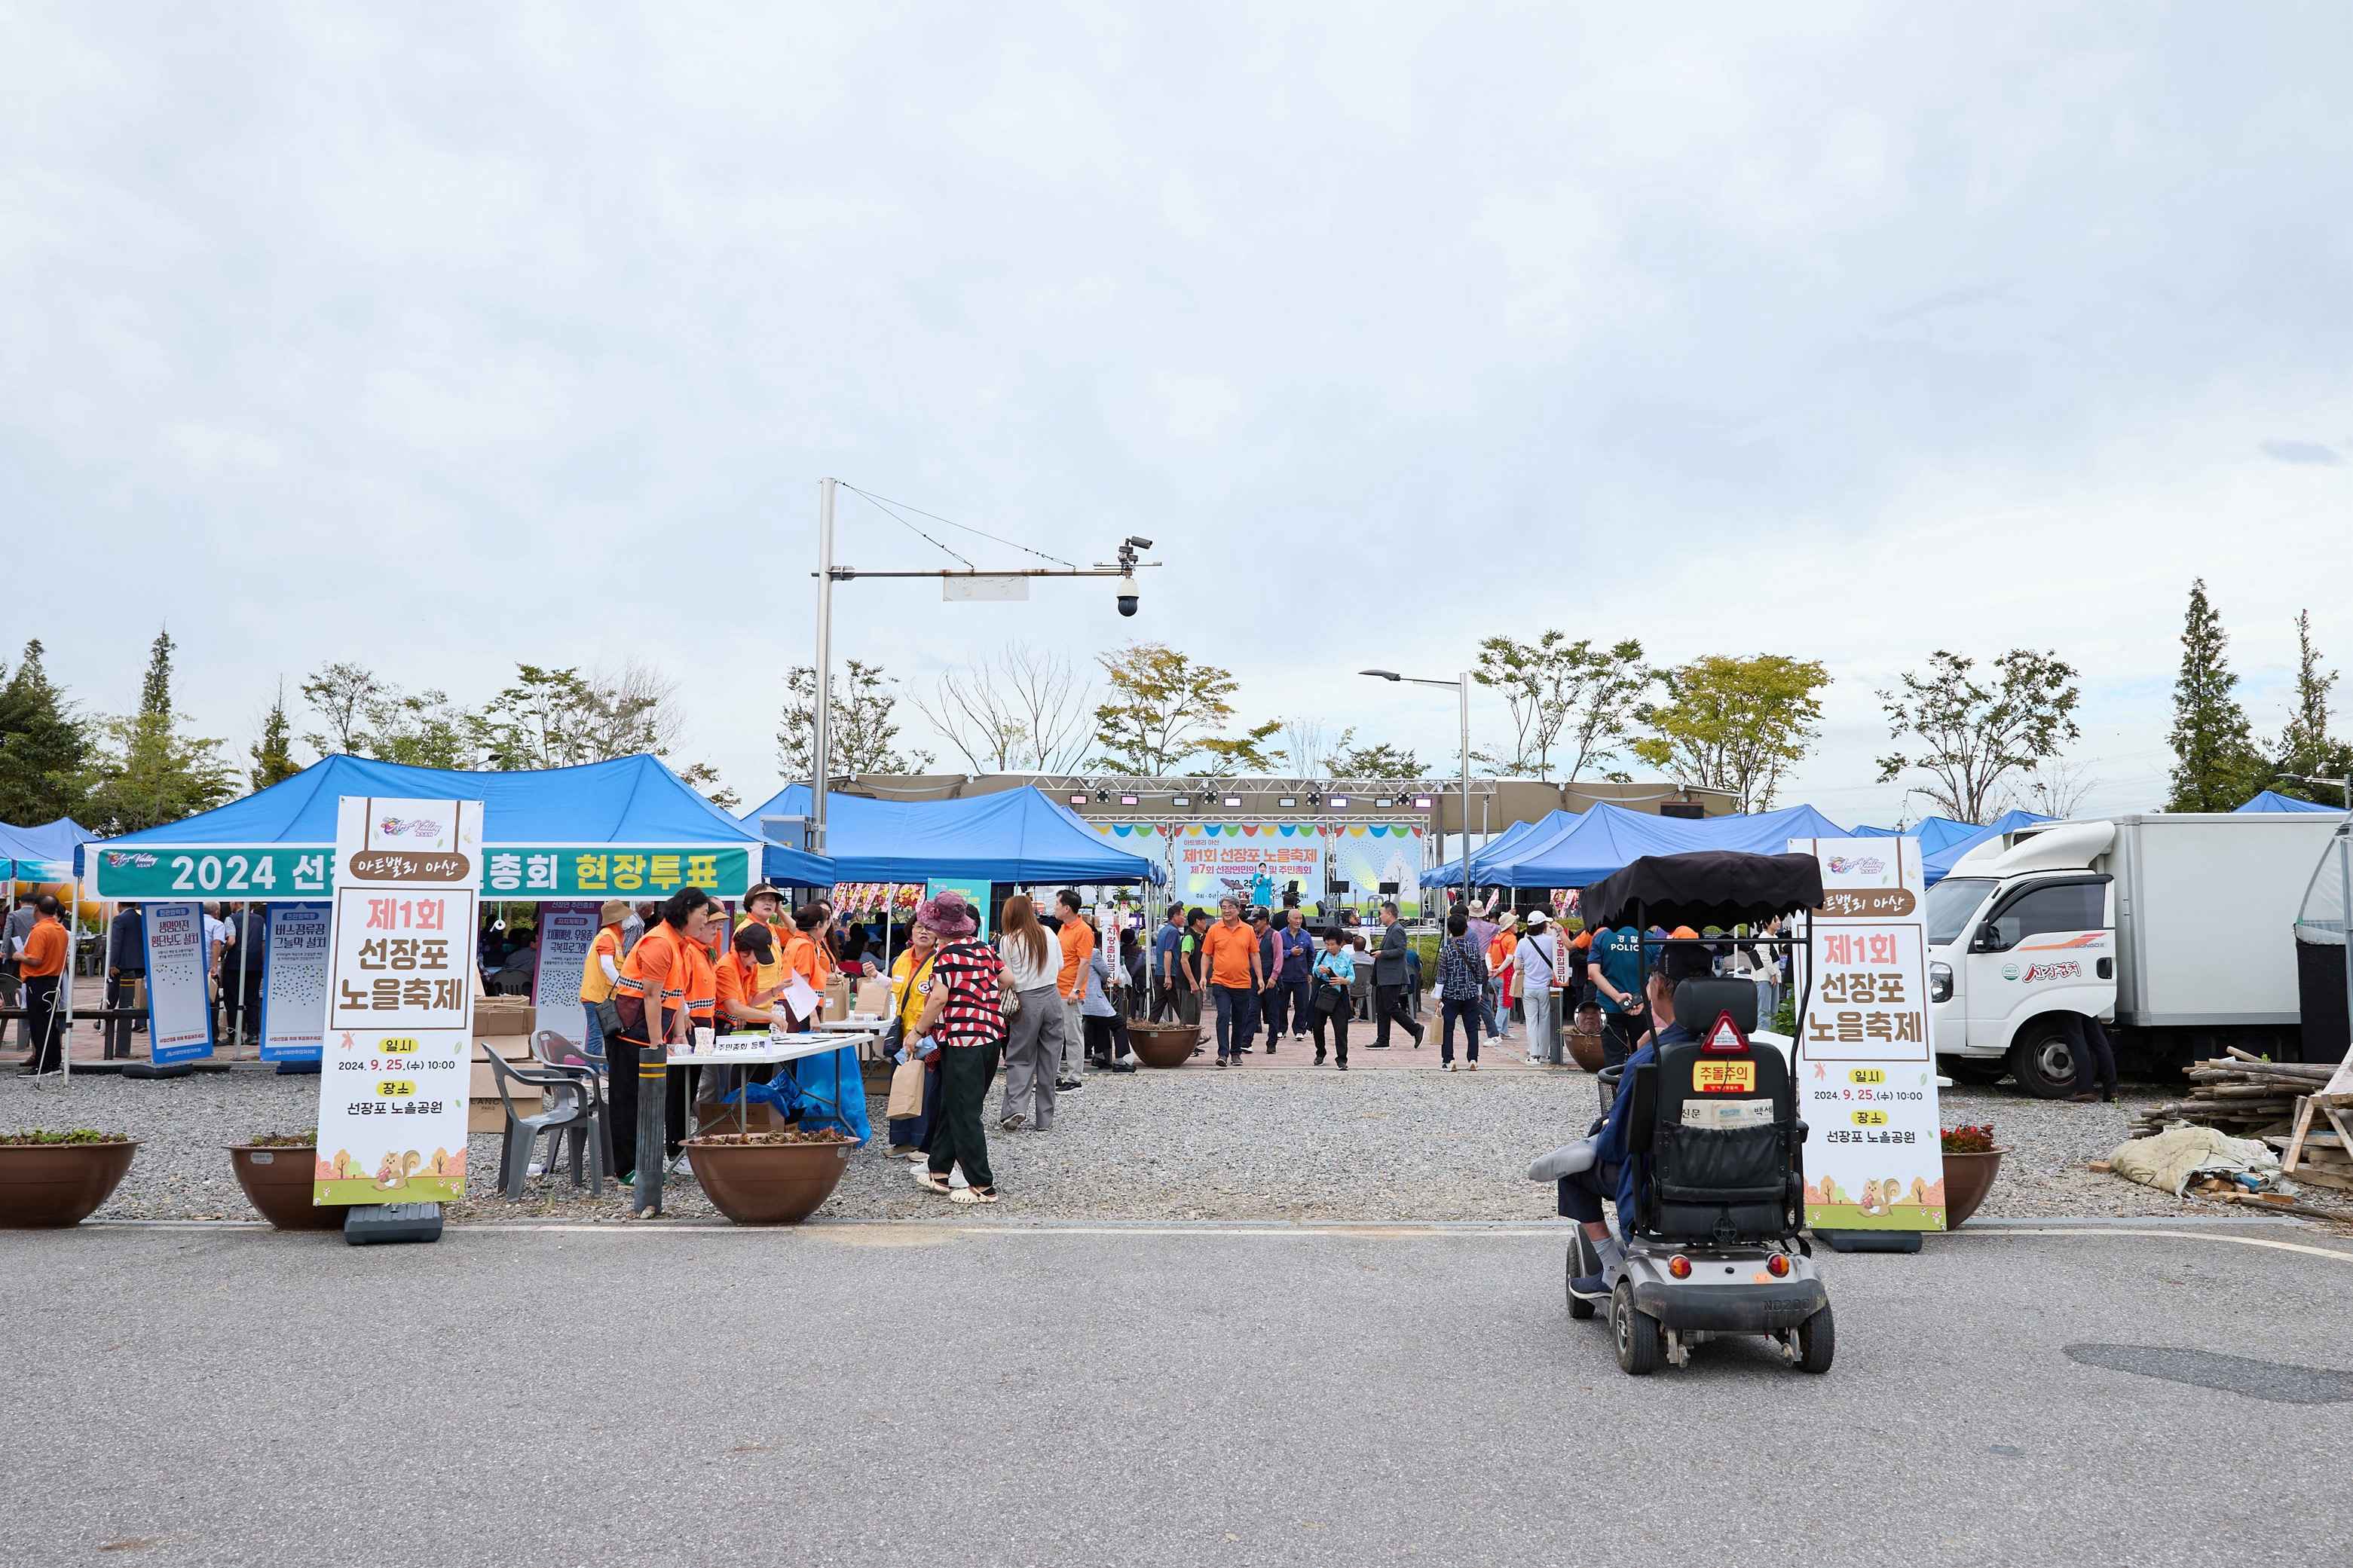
(400, 1002)
(1866, 1073)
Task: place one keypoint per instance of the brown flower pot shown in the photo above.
(1585, 1048)
(1967, 1179)
(277, 1183)
(767, 1183)
(52, 1184)
(1163, 1045)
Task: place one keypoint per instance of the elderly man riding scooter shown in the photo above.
(1613, 1174)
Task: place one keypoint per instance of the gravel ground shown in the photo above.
(1262, 1144)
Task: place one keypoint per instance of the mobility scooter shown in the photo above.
(1714, 1245)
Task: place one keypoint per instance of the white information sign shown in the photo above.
(1866, 1075)
(294, 994)
(400, 1002)
(565, 933)
(179, 1000)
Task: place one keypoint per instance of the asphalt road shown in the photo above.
(896, 1393)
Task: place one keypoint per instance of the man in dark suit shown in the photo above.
(1390, 978)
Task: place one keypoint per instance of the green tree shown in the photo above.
(45, 746)
(1246, 753)
(2216, 765)
(273, 752)
(1970, 735)
(342, 696)
(1565, 694)
(1734, 724)
(147, 772)
(1162, 709)
(1351, 761)
(2306, 746)
(863, 732)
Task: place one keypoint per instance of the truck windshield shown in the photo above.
(1951, 902)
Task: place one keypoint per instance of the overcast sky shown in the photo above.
(438, 338)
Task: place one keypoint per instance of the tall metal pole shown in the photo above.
(1466, 794)
(822, 743)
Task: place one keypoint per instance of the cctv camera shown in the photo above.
(1139, 542)
(1127, 604)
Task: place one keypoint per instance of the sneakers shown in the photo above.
(1013, 1123)
(1590, 1287)
(1221, 1061)
(1067, 1085)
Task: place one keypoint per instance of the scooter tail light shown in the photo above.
(1678, 1266)
(1777, 1266)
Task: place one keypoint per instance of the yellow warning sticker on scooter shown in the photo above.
(1724, 1077)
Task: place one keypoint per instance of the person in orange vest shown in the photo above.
(807, 955)
(665, 981)
(602, 972)
(40, 963)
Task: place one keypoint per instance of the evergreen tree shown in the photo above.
(44, 746)
(2216, 765)
(273, 753)
(149, 773)
(2306, 746)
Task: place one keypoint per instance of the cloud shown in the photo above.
(2307, 452)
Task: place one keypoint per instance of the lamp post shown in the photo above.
(1462, 686)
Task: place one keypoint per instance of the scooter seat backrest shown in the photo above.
(1723, 1136)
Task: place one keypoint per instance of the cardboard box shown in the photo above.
(503, 1016)
(757, 1117)
(491, 1115)
(512, 1047)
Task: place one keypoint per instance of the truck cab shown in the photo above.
(2021, 941)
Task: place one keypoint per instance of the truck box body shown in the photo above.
(2206, 907)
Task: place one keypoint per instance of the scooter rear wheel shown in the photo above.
(1816, 1343)
(1640, 1346)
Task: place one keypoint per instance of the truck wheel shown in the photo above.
(1975, 1070)
(1579, 1307)
(1816, 1343)
(1640, 1346)
(2043, 1061)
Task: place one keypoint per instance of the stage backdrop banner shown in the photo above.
(400, 1002)
(179, 1002)
(294, 993)
(566, 932)
(1866, 1078)
(1366, 855)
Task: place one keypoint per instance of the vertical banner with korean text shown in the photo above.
(294, 994)
(179, 1005)
(1866, 1075)
(400, 1002)
(566, 932)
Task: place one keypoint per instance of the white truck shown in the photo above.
(2175, 927)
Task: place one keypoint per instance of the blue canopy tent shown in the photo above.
(2273, 801)
(44, 854)
(1606, 838)
(1935, 834)
(1938, 864)
(1498, 848)
(1018, 836)
(628, 828)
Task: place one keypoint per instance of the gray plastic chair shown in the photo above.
(574, 1114)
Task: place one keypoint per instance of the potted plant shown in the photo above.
(57, 1178)
(769, 1178)
(278, 1171)
(1972, 1159)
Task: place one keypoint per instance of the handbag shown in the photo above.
(906, 1091)
(1330, 998)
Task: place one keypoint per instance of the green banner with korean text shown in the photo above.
(267, 873)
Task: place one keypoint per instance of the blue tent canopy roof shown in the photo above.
(1573, 849)
(2273, 801)
(1938, 864)
(1935, 834)
(1499, 847)
(1018, 836)
(628, 801)
(48, 851)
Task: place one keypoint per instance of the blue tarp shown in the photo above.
(1604, 838)
(1935, 834)
(628, 800)
(46, 853)
(2271, 801)
(1018, 836)
(1939, 863)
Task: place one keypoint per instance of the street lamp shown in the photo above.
(1462, 686)
(971, 583)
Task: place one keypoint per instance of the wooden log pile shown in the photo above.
(2324, 1160)
(2240, 1094)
